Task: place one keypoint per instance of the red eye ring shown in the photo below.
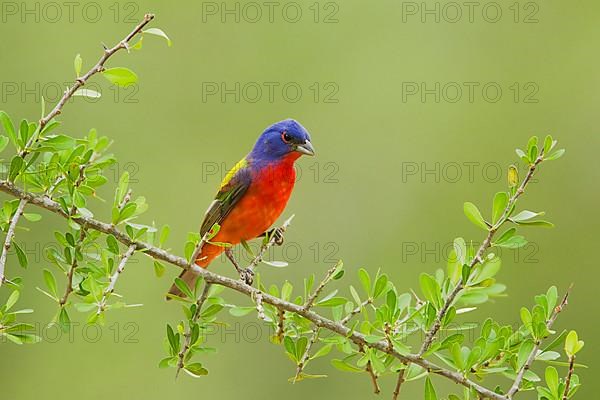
(285, 137)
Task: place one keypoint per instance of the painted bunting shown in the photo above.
(253, 194)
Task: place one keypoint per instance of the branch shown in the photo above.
(113, 279)
(188, 335)
(241, 287)
(80, 81)
(272, 240)
(74, 265)
(515, 386)
(313, 297)
(306, 355)
(479, 255)
(487, 242)
(9, 237)
(569, 376)
(352, 313)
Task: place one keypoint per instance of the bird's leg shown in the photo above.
(246, 274)
(277, 233)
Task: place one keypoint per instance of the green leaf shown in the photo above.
(514, 242)
(506, 235)
(500, 203)
(474, 215)
(380, 285)
(526, 318)
(523, 156)
(12, 300)
(343, 365)
(159, 32)
(552, 380)
(195, 370)
(164, 234)
(57, 143)
(50, 282)
(3, 143)
(332, 302)
(429, 390)
(542, 223)
(21, 256)
(241, 311)
(525, 215)
(276, 264)
(64, 321)
(365, 280)
(572, 344)
(9, 128)
(431, 289)
(556, 155)
(32, 217)
(548, 144)
(524, 352)
(113, 245)
(159, 268)
(182, 285)
(92, 94)
(120, 76)
(513, 176)
(173, 339)
(78, 63)
(16, 165)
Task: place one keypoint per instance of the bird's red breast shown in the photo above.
(258, 209)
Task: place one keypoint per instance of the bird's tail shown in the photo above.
(207, 253)
(189, 277)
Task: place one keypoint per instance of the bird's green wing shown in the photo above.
(232, 189)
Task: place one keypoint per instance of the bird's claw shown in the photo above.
(247, 276)
(277, 234)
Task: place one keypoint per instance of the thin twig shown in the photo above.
(517, 382)
(10, 233)
(72, 268)
(399, 383)
(113, 279)
(437, 324)
(569, 376)
(313, 297)
(188, 335)
(373, 375)
(80, 81)
(320, 321)
(280, 326)
(265, 247)
(355, 311)
(304, 360)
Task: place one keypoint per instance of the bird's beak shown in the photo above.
(306, 148)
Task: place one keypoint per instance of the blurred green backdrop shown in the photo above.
(413, 107)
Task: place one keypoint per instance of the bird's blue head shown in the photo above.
(281, 139)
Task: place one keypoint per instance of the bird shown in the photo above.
(252, 195)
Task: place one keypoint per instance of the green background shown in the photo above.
(354, 201)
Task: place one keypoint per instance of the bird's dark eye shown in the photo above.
(286, 137)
